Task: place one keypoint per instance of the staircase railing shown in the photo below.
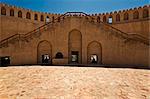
(26, 35)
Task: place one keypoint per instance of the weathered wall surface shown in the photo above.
(130, 21)
(11, 24)
(115, 49)
(137, 27)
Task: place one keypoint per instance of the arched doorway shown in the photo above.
(44, 52)
(94, 53)
(75, 47)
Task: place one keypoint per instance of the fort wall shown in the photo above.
(129, 21)
(16, 20)
(134, 20)
(75, 34)
(84, 36)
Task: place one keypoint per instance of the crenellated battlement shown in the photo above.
(25, 9)
(128, 15)
(13, 11)
(124, 10)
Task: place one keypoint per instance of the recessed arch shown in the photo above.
(136, 15)
(110, 19)
(59, 55)
(44, 48)
(42, 18)
(117, 17)
(94, 48)
(35, 17)
(104, 19)
(145, 13)
(20, 14)
(11, 12)
(28, 15)
(3, 11)
(75, 46)
(53, 18)
(47, 19)
(98, 19)
(126, 16)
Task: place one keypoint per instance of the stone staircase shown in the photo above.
(37, 32)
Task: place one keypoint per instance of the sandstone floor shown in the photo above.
(38, 82)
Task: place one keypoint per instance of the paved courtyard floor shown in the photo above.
(39, 82)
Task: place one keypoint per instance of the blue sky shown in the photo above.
(87, 6)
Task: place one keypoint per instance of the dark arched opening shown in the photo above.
(104, 19)
(98, 19)
(42, 18)
(11, 12)
(35, 17)
(59, 55)
(3, 11)
(117, 17)
(126, 16)
(136, 15)
(28, 15)
(145, 13)
(19, 14)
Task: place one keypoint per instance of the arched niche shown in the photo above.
(126, 16)
(104, 19)
(44, 50)
(59, 55)
(42, 18)
(28, 15)
(94, 49)
(118, 17)
(145, 13)
(136, 15)
(35, 17)
(3, 11)
(11, 12)
(75, 46)
(20, 14)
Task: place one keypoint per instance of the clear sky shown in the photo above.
(87, 6)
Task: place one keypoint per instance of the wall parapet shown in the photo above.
(128, 15)
(13, 11)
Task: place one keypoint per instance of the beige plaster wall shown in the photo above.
(114, 48)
